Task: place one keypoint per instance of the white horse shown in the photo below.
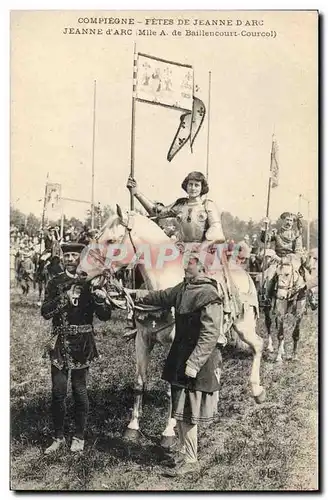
(138, 235)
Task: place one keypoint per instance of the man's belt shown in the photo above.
(72, 329)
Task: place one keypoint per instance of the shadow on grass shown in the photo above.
(141, 452)
(232, 352)
(24, 303)
(109, 414)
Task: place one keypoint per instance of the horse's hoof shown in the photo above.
(167, 442)
(39, 304)
(261, 397)
(131, 435)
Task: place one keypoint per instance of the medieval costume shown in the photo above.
(287, 244)
(199, 222)
(193, 364)
(71, 305)
(199, 219)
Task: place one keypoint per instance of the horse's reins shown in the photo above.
(123, 291)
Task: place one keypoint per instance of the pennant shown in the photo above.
(274, 166)
(190, 124)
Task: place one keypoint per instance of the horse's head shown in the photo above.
(101, 253)
(118, 241)
(113, 231)
(285, 278)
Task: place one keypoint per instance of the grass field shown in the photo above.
(272, 446)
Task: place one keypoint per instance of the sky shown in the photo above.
(258, 86)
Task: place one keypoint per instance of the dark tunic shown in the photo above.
(73, 337)
(286, 241)
(198, 318)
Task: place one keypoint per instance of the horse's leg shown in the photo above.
(143, 348)
(168, 435)
(40, 292)
(300, 311)
(281, 340)
(268, 323)
(246, 329)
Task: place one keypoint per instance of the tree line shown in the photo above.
(234, 228)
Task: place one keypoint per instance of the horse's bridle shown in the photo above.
(112, 281)
(289, 286)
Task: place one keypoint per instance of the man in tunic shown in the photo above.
(71, 304)
(287, 243)
(193, 365)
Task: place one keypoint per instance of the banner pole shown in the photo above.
(208, 123)
(133, 118)
(133, 113)
(93, 158)
(62, 226)
(266, 227)
(44, 211)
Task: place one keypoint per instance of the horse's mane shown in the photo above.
(155, 234)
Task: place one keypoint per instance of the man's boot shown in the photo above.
(56, 445)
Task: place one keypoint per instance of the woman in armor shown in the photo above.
(198, 217)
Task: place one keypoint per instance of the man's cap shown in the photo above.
(284, 215)
(71, 246)
(194, 255)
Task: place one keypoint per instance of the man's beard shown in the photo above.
(71, 268)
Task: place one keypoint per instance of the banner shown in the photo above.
(53, 203)
(274, 166)
(163, 82)
(170, 84)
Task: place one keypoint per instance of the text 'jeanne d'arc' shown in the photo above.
(158, 21)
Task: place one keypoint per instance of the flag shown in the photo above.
(53, 200)
(163, 82)
(274, 166)
(170, 84)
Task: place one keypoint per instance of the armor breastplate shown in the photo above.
(285, 242)
(192, 220)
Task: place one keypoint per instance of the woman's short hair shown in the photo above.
(196, 176)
